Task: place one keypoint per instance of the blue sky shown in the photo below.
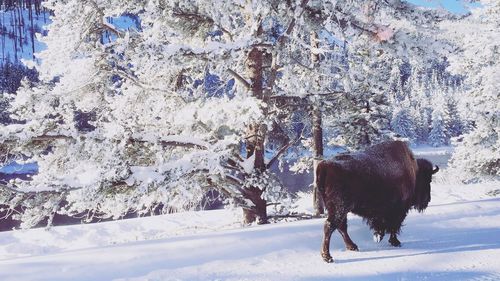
(455, 6)
(15, 168)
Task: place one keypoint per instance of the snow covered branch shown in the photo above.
(180, 141)
(200, 19)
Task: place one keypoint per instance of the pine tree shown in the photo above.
(454, 126)
(158, 138)
(478, 59)
(403, 122)
(419, 101)
(437, 135)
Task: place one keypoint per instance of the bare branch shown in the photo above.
(51, 138)
(111, 28)
(166, 143)
(300, 216)
(239, 78)
(282, 150)
(104, 25)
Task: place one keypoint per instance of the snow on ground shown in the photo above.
(457, 238)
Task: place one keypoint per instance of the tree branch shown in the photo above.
(281, 40)
(239, 78)
(59, 190)
(201, 18)
(282, 150)
(300, 216)
(167, 141)
(104, 25)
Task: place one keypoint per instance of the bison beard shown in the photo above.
(380, 184)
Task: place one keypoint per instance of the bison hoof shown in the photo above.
(352, 247)
(327, 258)
(377, 237)
(395, 242)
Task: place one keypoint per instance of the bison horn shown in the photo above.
(435, 170)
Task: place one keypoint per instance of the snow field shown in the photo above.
(455, 239)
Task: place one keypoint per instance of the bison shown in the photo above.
(380, 184)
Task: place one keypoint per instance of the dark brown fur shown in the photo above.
(380, 184)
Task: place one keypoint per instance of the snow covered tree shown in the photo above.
(430, 88)
(403, 122)
(440, 119)
(346, 80)
(378, 38)
(158, 140)
(437, 135)
(420, 111)
(454, 126)
(153, 117)
(478, 36)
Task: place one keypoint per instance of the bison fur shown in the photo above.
(380, 184)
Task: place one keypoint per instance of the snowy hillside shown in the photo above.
(455, 239)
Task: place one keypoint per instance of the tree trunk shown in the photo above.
(256, 134)
(32, 29)
(317, 130)
(259, 210)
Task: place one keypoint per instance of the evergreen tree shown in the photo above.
(437, 135)
(403, 122)
(11, 75)
(157, 136)
(454, 126)
(478, 59)
(421, 105)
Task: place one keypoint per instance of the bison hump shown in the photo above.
(390, 164)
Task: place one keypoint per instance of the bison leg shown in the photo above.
(329, 228)
(377, 224)
(349, 245)
(394, 225)
(394, 240)
(378, 236)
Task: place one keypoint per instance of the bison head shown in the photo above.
(422, 195)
